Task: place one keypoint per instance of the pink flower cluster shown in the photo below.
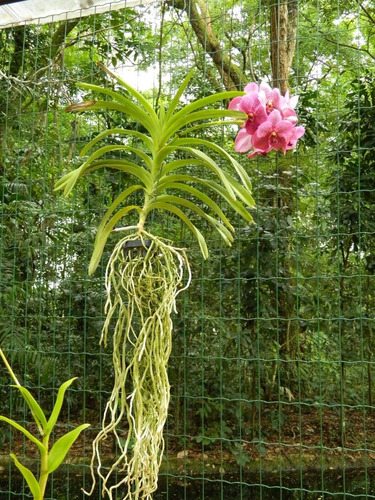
(271, 120)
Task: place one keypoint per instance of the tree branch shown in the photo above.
(353, 47)
(200, 21)
(368, 15)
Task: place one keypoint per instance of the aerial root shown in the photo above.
(141, 287)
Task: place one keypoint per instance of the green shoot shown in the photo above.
(50, 459)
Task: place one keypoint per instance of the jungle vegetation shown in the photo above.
(281, 321)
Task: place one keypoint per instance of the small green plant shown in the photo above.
(50, 459)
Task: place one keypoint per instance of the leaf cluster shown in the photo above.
(50, 459)
(169, 132)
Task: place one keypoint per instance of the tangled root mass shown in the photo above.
(142, 284)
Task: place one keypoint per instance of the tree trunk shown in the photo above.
(283, 28)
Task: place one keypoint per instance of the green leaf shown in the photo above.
(29, 477)
(161, 113)
(177, 124)
(102, 151)
(67, 182)
(62, 446)
(206, 101)
(235, 204)
(120, 198)
(201, 196)
(59, 401)
(101, 237)
(212, 165)
(162, 154)
(116, 96)
(178, 95)
(139, 97)
(145, 157)
(138, 171)
(221, 123)
(241, 191)
(176, 200)
(125, 166)
(176, 164)
(224, 232)
(171, 208)
(130, 109)
(24, 431)
(210, 145)
(111, 149)
(118, 131)
(35, 409)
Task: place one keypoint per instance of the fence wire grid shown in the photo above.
(271, 371)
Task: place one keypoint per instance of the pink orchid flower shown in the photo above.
(256, 114)
(274, 100)
(286, 107)
(275, 133)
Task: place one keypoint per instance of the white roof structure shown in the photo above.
(13, 13)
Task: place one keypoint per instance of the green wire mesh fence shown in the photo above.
(272, 369)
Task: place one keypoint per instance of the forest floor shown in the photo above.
(307, 439)
(303, 439)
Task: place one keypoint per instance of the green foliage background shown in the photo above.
(280, 325)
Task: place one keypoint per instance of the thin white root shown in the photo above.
(142, 286)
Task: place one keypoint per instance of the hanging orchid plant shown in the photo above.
(145, 272)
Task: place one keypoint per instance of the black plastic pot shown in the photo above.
(135, 248)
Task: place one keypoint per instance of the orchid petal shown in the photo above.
(262, 97)
(261, 143)
(293, 101)
(277, 99)
(249, 103)
(251, 88)
(295, 134)
(261, 114)
(283, 127)
(265, 88)
(234, 103)
(289, 115)
(242, 143)
(299, 131)
(274, 117)
(251, 126)
(279, 142)
(259, 152)
(264, 129)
